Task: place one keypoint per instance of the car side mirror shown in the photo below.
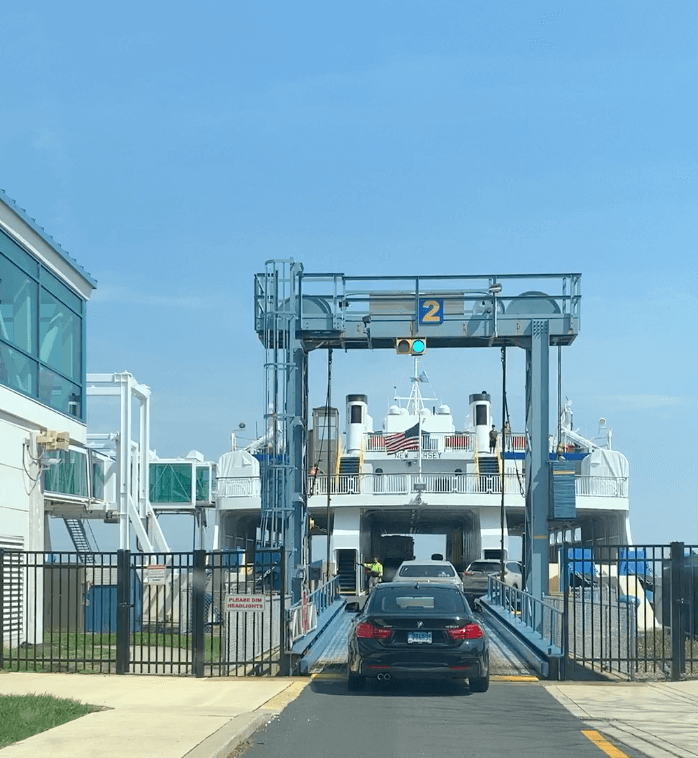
(352, 607)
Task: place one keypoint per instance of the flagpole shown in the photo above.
(419, 416)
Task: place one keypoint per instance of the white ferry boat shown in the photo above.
(421, 472)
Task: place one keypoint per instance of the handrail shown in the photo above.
(432, 441)
(535, 615)
(602, 486)
(402, 484)
(456, 484)
(238, 486)
(316, 602)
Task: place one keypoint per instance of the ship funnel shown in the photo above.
(481, 415)
(358, 422)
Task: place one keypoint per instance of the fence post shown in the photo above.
(677, 637)
(123, 610)
(565, 641)
(198, 611)
(284, 655)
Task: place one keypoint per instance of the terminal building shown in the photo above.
(43, 321)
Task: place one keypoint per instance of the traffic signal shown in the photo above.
(411, 345)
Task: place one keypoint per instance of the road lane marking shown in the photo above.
(603, 744)
(513, 678)
(280, 701)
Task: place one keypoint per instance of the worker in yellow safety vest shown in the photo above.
(375, 573)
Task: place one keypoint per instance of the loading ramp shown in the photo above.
(329, 654)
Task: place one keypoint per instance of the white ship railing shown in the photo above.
(459, 484)
(434, 442)
(238, 486)
(602, 486)
(446, 442)
(405, 484)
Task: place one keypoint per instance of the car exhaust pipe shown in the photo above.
(386, 677)
(380, 677)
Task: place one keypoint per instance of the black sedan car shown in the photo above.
(408, 631)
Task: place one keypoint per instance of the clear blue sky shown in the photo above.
(172, 148)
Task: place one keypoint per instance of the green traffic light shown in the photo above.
(418, 347)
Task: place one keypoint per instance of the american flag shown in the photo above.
(408, 440)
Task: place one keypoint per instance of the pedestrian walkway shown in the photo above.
(154, 716)
(659, 719)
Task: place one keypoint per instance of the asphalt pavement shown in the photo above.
(174, 717)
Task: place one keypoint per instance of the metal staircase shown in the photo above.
(489, 465)
(349, 470)
(488, 468)
(76, 530)
(346, 570)
(348, 465)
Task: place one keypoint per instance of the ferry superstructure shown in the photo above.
(420, 472)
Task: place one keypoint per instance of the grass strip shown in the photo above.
(23, 716)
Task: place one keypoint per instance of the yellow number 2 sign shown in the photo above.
(431, 310)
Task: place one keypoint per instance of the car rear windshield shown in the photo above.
(417, 600)
(426, 571)
(486, 568)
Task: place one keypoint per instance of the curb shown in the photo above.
(222, 743)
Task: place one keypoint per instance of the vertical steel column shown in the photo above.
(198, 611)
(284, 500)
(125, 463)
(565, 642)
(123, 610)
(284, 654)
(678, 657)
(537, 458)
(298, 529)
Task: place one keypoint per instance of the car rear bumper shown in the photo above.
(424, 671)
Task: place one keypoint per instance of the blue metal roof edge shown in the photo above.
(47, 238)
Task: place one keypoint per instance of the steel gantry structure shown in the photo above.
(296, 312)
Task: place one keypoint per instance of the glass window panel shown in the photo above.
(17, 371)
(63, 293)
(60, 336)
(18, 298)
(15, 253)
(69, 476)
(203, 488)
(170, 482)
(98, 478)
(59, 393)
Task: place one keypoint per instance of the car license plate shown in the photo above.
(419, 637)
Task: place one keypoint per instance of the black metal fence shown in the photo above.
(196, 613)
(630, 610)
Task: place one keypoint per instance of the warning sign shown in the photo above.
(156, 573)
(244, 603)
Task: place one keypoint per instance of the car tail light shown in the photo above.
(367, 631)
(468, 573)
(467, 632)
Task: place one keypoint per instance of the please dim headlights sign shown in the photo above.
(244, 603)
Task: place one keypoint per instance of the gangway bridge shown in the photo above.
(329, 654)
(525, 633)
